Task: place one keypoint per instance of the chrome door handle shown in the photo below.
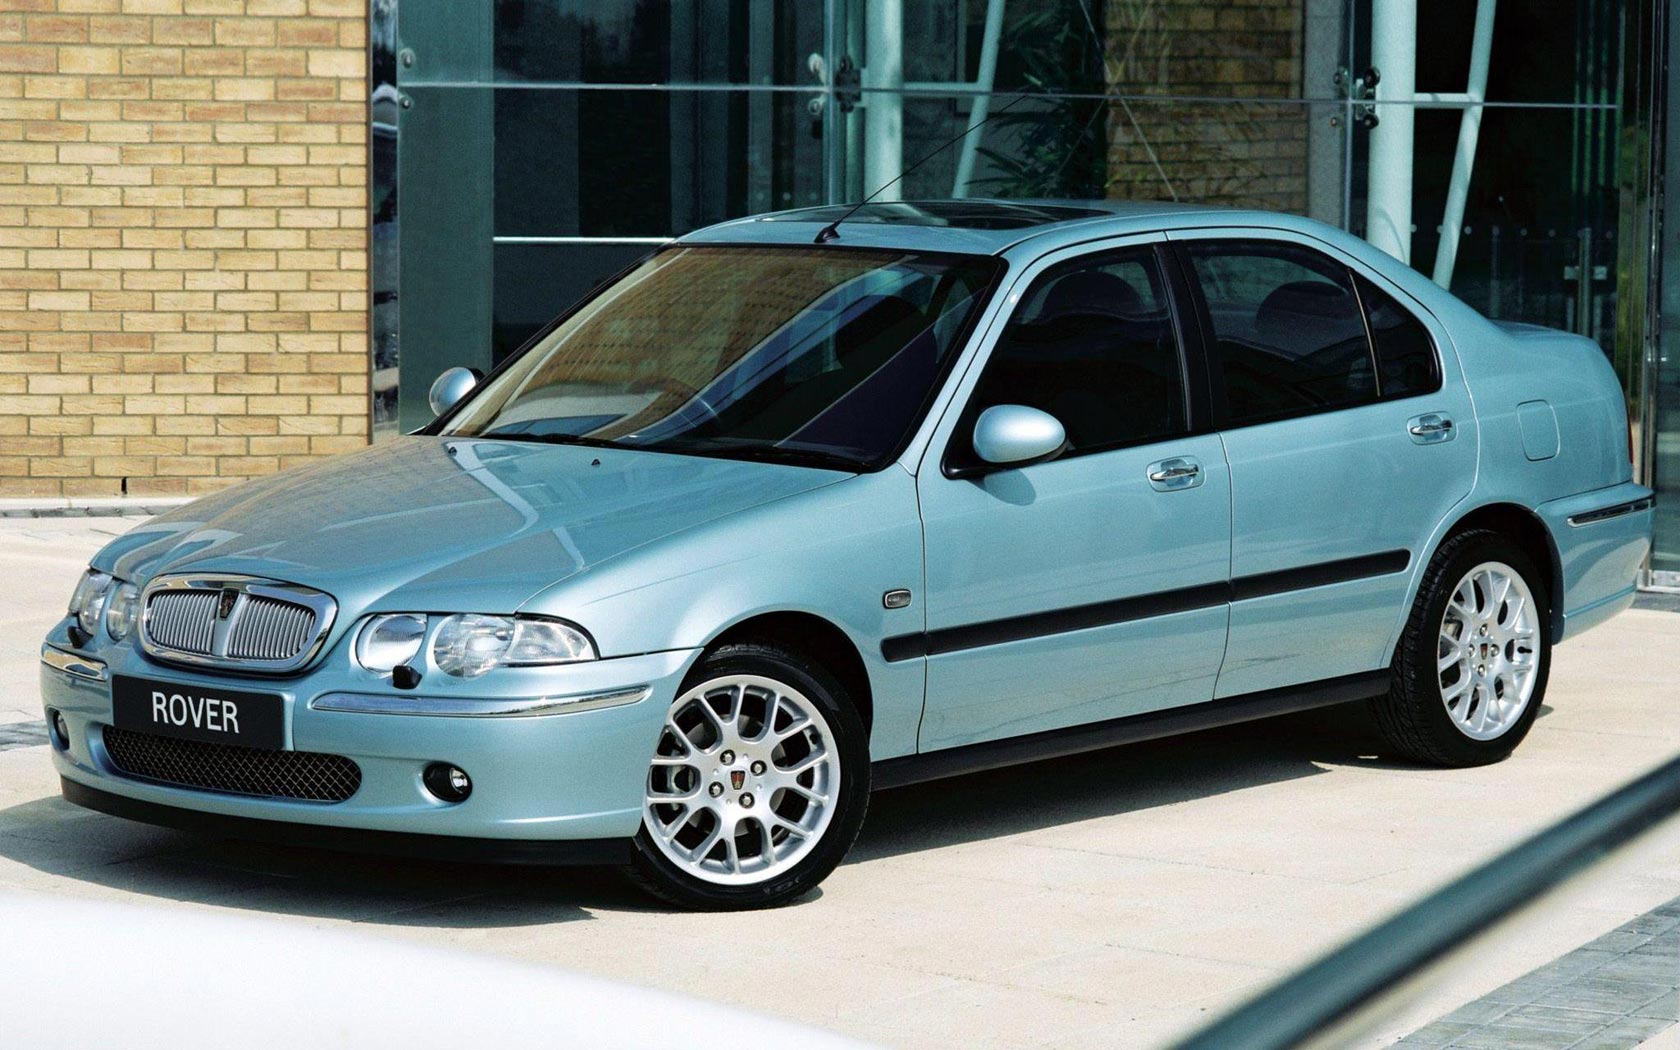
(1430, 427)
(1170, 474)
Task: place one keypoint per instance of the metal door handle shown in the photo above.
(1435, 426)
(1170, 475)
(1174, 473)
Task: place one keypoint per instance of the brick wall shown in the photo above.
(182, 241)
(1236, 152)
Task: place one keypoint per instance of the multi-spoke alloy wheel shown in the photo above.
(758, 782)
(1489, 650)
(743, 780)
(1470, 671)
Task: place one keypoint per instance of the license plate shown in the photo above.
(193, 712)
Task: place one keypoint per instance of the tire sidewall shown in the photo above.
(680, 887)
(1425, 677)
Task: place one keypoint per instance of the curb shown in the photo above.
(90, 507)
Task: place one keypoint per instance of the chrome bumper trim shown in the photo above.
(1606, 513)
(451, 707)
(85, 667)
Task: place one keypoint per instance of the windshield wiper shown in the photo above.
(547, 439)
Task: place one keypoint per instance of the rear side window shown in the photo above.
(1289, 337)
(1406, 361)
(1092, 343)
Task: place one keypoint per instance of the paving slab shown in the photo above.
(1105, 900)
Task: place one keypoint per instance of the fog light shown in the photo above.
(61, 731)
(448, 783)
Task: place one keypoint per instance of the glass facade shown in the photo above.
(526, 149)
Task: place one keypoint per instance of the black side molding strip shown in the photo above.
(1141, 607)
(1632, 506)
(353, 840)
(1152, 725)
(1342, 570)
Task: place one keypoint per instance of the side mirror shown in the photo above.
(1015, 435)
(450, 387)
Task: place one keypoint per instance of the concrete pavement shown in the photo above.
(1105, 900)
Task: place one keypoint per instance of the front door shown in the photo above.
(1092, 586)
(1349, 436)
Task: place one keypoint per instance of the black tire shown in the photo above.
(1412, 717)
(659, 875)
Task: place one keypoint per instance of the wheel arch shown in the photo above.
(816, 637)
(1528, 531)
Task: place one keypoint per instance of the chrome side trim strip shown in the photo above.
(1606, 513)
(453, 707)
(85, 667)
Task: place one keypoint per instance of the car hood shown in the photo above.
(439, 524)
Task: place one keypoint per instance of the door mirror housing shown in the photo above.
(450, 387)
(1015, 435)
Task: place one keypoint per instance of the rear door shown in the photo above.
(1349, 437)
(1092, 586)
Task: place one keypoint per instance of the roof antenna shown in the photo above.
(831, 232)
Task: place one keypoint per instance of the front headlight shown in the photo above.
(122, 611)
(469, 644)
(87, 603)
(391, 640)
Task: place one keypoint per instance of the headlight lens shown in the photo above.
(87, 604)
(390, 640)
(121, 611)
(469, 644)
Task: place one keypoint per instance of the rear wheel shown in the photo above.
(758, 785)
(1470, 671)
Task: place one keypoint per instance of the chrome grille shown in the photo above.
(239, 622)
(305, 775)
(270, 630)
(183, 620)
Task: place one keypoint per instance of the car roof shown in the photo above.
(971, 225)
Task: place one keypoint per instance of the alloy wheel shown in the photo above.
(1489, 651)
(744, 781)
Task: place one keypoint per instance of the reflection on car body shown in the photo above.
(767, 523)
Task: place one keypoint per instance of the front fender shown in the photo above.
(831, 553)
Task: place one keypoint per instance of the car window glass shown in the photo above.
(1092, 344)
(1288, 334)
(1406, 358)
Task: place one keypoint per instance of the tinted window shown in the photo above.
(1406, 362)
(1092, 344)
(1289, 337)
(795, 354)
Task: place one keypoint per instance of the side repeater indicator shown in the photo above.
(896, 599)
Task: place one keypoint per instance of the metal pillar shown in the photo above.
(1464, 158)
(1388, 215)
(982, 106)
(883, 118)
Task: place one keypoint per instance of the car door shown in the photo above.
(1349, 436)
(1091, 586)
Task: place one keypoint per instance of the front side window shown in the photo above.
(1289, 337)
(807, 355)
(1092, 343)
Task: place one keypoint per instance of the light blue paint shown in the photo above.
(656, 555)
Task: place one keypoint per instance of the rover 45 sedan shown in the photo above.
(792, 510)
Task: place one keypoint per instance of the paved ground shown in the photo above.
(1106, 900)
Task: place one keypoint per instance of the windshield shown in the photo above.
(813, 355)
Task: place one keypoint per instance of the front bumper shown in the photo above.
(541, 772)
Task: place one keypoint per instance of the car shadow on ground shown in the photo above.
(58, 839)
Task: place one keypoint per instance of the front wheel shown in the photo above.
(757, 786)
(1470, 671)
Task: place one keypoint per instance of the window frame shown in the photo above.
(959, 459)
(1197, 298)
